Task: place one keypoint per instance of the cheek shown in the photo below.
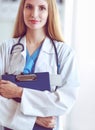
(45, 16)
(24, 16)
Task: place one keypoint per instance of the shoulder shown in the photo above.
(63, 49)
(8, 43)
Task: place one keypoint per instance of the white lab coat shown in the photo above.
(39, 103)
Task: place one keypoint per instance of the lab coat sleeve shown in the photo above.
(45, 103)
(11, 116)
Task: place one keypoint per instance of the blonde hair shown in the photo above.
(53, 28)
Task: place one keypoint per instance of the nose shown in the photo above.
(34, 13)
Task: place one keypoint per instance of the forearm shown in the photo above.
(10, 90)
(46, 103)
(12, 117)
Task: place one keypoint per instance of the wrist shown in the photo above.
(20, 91)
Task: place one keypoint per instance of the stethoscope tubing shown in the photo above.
(56, 54)
(20, 47)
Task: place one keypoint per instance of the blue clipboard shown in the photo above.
(38, 81)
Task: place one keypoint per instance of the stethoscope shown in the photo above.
(19, 47)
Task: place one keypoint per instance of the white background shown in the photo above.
(82, 39)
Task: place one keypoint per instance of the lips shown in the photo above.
(34, 21)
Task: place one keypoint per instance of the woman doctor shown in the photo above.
(31, 50)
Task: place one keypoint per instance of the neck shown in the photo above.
(35, 37)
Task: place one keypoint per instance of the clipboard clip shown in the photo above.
(28, 77)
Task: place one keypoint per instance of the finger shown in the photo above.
(4, 81)
(51, 119)
(48, 122)
(52, 122)
(1, 86)
(49, 125)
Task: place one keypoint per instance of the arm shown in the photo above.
(10, 114)
(10, 90)
(48, 122)
(56, 102)
(11, 117)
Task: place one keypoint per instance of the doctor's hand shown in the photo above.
(48, 122)
(9, 89)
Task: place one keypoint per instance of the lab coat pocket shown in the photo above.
(16, 63)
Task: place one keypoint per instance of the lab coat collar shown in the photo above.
(23, 41)
(47, 46)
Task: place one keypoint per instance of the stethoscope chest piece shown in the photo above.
(17, 48)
